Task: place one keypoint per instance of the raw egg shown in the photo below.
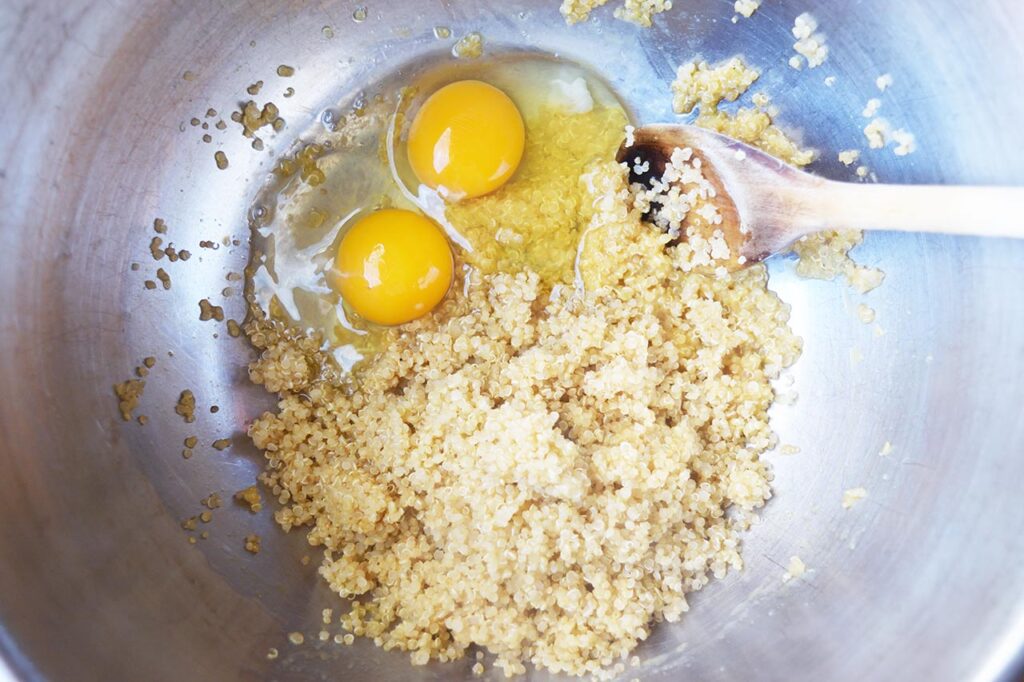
(466, 140)
(393, 266)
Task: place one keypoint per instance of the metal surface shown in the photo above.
(922, 580)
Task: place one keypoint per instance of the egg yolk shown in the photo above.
(466, 140)
(393, 266)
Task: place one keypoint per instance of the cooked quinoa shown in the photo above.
(703, 86)
(852, 496)
(848, 157)
(640, 12)
(877, 132)
(746, 8)
(794, 569)
(128, 394)
(810, 44)
(905, 142)
(546, 469)
(700, 83)
(824, 255)
(540, 473)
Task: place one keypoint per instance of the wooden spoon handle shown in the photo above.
(973, 211)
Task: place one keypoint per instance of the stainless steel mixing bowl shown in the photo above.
(922, 580)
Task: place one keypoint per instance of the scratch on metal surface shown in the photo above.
(909, 462)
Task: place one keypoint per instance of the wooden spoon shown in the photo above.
(767, 204)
